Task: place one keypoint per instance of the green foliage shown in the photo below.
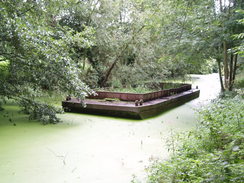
(124, 37)
(239, 83)
(4, 66)
(40, 111)
(207, 66)
(192, 33)
(139, 73)
(240, 48)
(212, 153)
(39, 51)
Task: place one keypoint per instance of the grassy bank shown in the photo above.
(214, 152)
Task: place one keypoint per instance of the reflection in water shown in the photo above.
(209, 86)
(93, 149)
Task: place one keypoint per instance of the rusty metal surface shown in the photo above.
(128, 109)
(144, 97)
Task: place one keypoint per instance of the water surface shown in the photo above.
(91, 149)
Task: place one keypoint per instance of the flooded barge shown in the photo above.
(132, 105)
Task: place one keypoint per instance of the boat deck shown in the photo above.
(128, 109)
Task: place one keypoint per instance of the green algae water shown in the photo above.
(88, 148)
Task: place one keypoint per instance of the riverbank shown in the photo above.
(213, 152)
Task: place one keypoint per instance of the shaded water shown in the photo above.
(91, 149)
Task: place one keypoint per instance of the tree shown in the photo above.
(228, 18)
(200, 30)
(239, 49)
(123, 38)
(38, 52)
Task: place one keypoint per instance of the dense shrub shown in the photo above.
(214, 152)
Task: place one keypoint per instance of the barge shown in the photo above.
(132, 105)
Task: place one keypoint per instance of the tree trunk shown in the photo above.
(220, 75)
(226, 69)
(231, 72)
(234, 70)
(220, 5)
(105, 78)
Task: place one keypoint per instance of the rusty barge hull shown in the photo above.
(128, 109)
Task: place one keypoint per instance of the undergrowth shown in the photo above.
(213, 152)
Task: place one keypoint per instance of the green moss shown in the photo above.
(111, 99)
(138, 90)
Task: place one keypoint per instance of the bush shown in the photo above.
(214, 152)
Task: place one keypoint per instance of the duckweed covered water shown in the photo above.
(88, 148)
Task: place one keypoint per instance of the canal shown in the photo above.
(92, 149)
